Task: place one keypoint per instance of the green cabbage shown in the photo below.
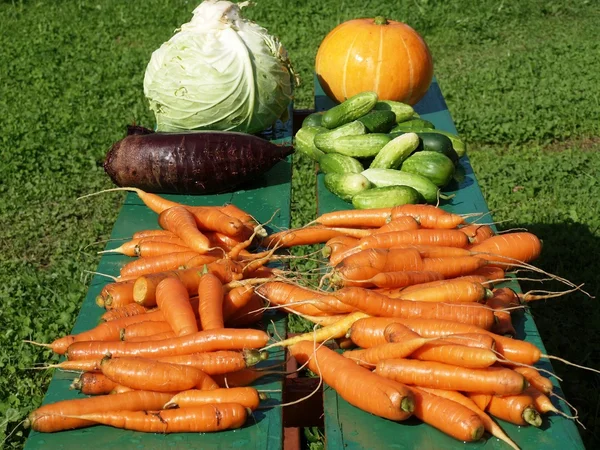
(219, 72)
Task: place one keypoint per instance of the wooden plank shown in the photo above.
(350, 428)
(267, 198)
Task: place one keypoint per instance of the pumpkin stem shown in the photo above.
(380, 20)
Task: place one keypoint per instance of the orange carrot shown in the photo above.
(376, 304)
(202, 341)
(131, 309)
(501, 300)
(282, 293)
(210, 294)
(181, 222)
(477, 233)
(490, 426)
(491, 273)
(491, 380)
(448, 416)
(356, 218)
(115, 295)
(174, 301)
(127, 248)
(518, 409)
(541, 401)
(451, 291)
(249, 314)
(157, 376)
(210, 218)
(235, 299)
(428, 216)
(391, 281)
(309, 235)
(58, 416)
(246, 396)
(338, 244)
(148, 233)
(371, 356)
(509, 249)
(153, 337)
(159, 263)
(369, 332)
(536, 380)
(355, 384)
(93, 383)
(400, 223)
(455, 354)
(452, 267)
(384, 260)
(197, 419)
(250, 223)
(152, 249)
(219, 362)
(396, 332)
(481, 400)
(144, 329)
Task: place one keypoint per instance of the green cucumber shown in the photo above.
(393, 177)
(349, 110)
(433, 165)
(346, 185)
(434, 142)
(337, 163)
(401, 110)
(304, 141)
(394, 152)
(378, 121)
(458, 144)
(361, 146)
(313, 120)
(413, 125)
(326, 139)
(386, 197)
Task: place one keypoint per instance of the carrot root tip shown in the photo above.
(407, 404)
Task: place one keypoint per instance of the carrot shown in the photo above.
(477, 233)
(369, 332)
(541, 401)
(153, 337)
(353, 218)
(396, 332)
(309, 235)
(210, 218)
(58, 416)
(490, 426)
(400, 223)
(282, 293)
(355, 384)
(202, 341)
(491, 273)
(115, 295)
(219, 362)
(438, 251)
(93, 383)
(148, 233)
(376, 304)
(509, 249)
(131, 309)
(450, 291)
(517, 409)
(159, 263)
(197, 419)
(235, 299)
(333, 331)
(249, 314)
(127, 248)
(210, 293)
(536, 380)
(448, 416)
(452, 267)
(153, 249)
(250, 223)
(246, 396)
(455, 354)
(173, 299)
(394, 280)
(83, 365)
(144, 329)
(481, 400)
(157, 376)
(491, 380)
(371, 356)
(182, 222)
(338, 244)
(501, 300)
(429, 216)
(383, 260)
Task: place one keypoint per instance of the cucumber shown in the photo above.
(413, 125)
(361, 146)
(393, 177)
(378, 121)
(336, 163)
(434, 142)
(401, 110)
(313, 120)
(325, 140)
(433, 165)
(386, 197)
(394, 152)
(304, 141)
(458, 144)
(346, 185)
(349, 110)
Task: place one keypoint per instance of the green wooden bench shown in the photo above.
(267, 199)
(347, 427)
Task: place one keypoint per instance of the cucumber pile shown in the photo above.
(378, 154)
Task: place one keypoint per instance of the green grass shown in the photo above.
(520, 80)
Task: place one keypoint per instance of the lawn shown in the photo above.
(520, 79)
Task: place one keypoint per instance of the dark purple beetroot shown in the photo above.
(203, 162)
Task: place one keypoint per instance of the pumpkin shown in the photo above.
(374, 54)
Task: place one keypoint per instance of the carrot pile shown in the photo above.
(411, 293)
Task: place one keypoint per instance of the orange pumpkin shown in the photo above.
(380, 55)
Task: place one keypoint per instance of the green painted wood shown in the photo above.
(268, 199)
(348, 427)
